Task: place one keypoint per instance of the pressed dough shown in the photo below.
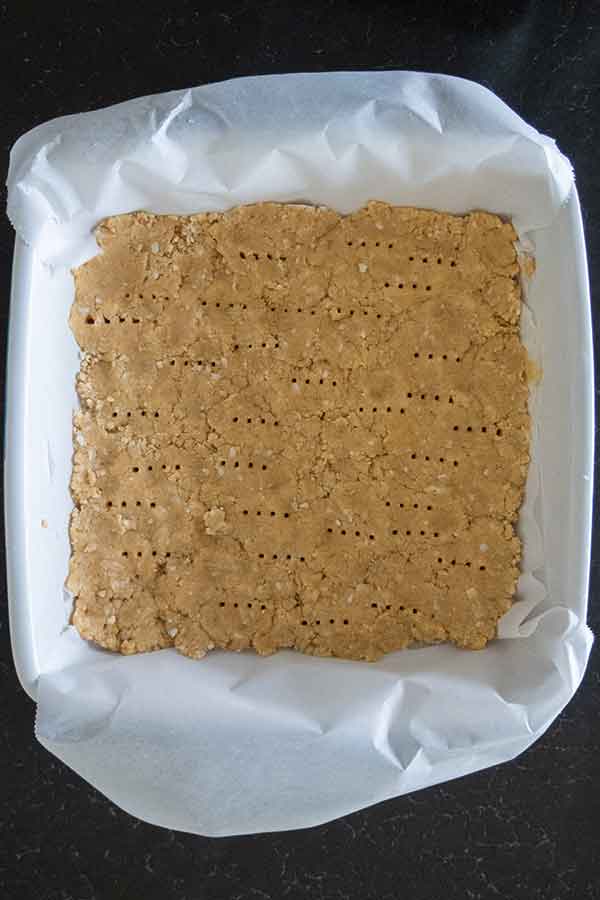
(298, 429)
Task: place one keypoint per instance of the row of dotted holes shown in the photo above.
(139, 554)
(110, 504)
(218, 305)
(390, 246)
(236, 605)
(443, 356)
(150, 468)
(313, 312)
(410, 395)
(483, 429)
(143, 412)
(135, 320)
(154, 553)
(401, 285)
(394, 532)
(318, 622)
(388, 409)
(197, 362)
(259, 512)
(264, 344)
(429, 507)
(307, 381)
(361, 409)
(453, 562)
(249, 420)
(442, 459)
(236, 465)
(276, 556)
(256, 256)
(285, 309)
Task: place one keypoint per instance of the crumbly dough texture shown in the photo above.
(298, 429)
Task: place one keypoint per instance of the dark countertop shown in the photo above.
(527, 829)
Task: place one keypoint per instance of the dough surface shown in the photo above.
(298, 429)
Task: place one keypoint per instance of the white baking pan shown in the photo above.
(236, 743)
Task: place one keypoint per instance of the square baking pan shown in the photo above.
(43, 357)
(280, 726)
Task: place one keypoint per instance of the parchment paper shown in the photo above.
(237, 743)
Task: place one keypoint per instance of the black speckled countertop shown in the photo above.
(527, 829)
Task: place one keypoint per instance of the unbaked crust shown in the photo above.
(298, 429)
